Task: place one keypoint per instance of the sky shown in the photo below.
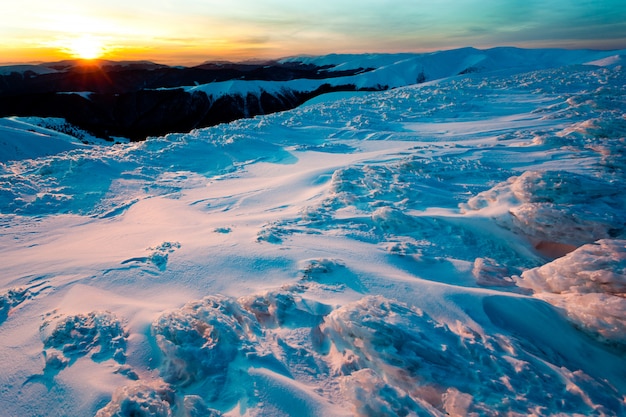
(187, 32)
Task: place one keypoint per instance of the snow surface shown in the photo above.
(381, 71)
(450, 248)
(25, 69)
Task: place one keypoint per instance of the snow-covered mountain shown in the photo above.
(454, 247)
(140, 99)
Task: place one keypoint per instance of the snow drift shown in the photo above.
(454, 247)
(589, 284)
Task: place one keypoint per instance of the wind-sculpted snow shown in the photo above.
(97, 334)
(387, 358)
(202, 339)
(158, 166)
(556, 208)
(208, 345)
(11, 299)
(590, 285)
(399, 360)
(58, 183)
(157, 258)
(407, 183)
(489, 272)
(154, 399)
(454, 247)
(380, 204)
(284, 309)
(140, 400)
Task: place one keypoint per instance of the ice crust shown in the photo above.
(589, 284)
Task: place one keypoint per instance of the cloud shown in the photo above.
(274, 28)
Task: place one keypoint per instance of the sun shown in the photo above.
(85, 47)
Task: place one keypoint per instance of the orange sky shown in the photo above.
(193, 31)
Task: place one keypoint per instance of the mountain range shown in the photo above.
(140, 99)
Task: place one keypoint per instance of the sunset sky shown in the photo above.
(193, 31)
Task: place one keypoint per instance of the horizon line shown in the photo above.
(261, 61)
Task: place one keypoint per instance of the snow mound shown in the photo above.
(488, 272)
(590, 285)
(406, 183)
(20, 139)
(158, 257)
(98, 334)
(212, 348)
(555, 209)
(396, 360)
(140, 399)
(610, 61)
(154, 399)
(364, 388)
(284, 309)
(11, 299)
(201, 339)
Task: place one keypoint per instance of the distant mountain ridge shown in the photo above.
(139, 99)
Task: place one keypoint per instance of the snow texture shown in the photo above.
(589, 284)
(401, 361)
(558, 207)
(98, 334)
(453, 247)
(140, 400)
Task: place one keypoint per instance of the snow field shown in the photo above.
(450, 248)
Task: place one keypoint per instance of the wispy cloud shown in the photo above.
(281, 27)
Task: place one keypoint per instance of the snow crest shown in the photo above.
(556, 208)
(590, 285)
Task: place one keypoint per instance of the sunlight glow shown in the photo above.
(185, 32)
(85, 47)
